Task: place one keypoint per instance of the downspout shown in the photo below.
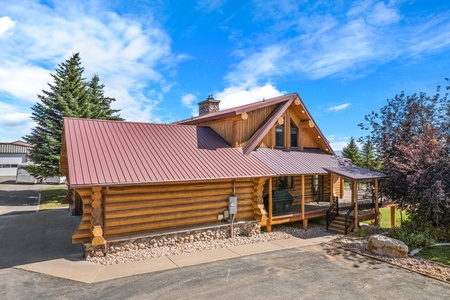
(232, 218)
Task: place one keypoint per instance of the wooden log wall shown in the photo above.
(148, 209)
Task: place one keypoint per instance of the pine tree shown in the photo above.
(368, 157)
(69, 96)
(99, 103)
(351, 151)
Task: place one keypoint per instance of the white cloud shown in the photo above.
(190, 101)
(338, 142)
(241, 95)
(342, 41)
(6, 25)
(339, 107)
(130, 57)
(14, 122)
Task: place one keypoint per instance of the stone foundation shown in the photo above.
(169, 239)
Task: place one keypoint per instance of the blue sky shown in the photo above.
(159, 58)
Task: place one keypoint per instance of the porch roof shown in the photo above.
(349, 170)
(311, 162)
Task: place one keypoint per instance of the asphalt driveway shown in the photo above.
(28, 236)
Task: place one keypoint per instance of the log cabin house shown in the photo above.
(267, 159)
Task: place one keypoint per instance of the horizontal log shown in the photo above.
(307, 124)
(119, 231)
(115, 231)
(219, 200)
(178, 187)
(166, 206)
(177, 194)
(160, 217)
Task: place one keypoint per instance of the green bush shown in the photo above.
(416, 232)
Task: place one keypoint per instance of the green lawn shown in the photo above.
(51, 198)
(440, 254)
(385, 217)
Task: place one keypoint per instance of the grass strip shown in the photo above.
(51, 198)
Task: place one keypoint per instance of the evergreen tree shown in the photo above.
(100, 104)
(69, 96)
(368, 157)
(351, 151)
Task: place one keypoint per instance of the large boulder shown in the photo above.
(386, 246)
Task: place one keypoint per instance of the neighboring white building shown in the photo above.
(11, 155)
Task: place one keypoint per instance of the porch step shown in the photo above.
(338, 224)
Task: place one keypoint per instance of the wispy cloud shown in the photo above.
(190, 101)
(342, 41)
(131, 58)
(339, 107)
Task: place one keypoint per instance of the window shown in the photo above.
(285, 182)
(294, 135)
(317, 187)
(279, 136)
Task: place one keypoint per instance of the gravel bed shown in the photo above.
(416, 264)
(278, 233)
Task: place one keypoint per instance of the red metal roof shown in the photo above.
(310, 162)
(238, 110)
(128, 153)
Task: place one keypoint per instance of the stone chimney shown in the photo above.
(209, 105)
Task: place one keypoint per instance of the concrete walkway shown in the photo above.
(86, 272)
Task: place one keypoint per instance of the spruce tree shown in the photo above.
(99, 104)
(68, 96)
(351, 151)
(368, 157)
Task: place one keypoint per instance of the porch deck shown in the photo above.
(316, 210)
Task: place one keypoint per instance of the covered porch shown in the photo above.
(343, 207)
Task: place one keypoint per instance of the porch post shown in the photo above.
(305, 222)
(392, 216)
(269, 224)
(355, 200)
(331, 188)
(376, 201)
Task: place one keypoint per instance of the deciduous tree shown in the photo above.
(411, 135)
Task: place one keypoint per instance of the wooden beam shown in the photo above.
(297, 101)
(287, 130)
(331, 188)
(307, 124)
(303, 197)
(269, 223)
(355, 200)
(342, 191)
(244, 116)
(235, 141)
(280, 121)
(376, 201)
(392, 216)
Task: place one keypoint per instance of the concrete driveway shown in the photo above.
(28, 236)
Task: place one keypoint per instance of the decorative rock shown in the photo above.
(387, 246)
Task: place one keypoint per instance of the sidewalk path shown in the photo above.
(86, 272)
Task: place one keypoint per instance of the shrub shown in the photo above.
(417, 232)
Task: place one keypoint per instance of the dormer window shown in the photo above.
(294, 135)
(279, 136)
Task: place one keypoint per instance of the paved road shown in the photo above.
(288, 274)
